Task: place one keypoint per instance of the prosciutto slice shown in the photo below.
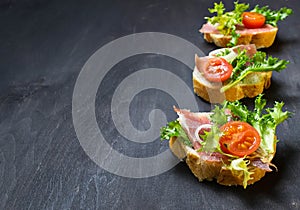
(250, 49)
(190, 122)
(258, 163)
(201, 63)
(211, 29)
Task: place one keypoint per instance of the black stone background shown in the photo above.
(44, 45)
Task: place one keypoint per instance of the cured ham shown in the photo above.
(194, 125)
(211, 29)
(258, 163)
(191, 122)
(201, 62)
(250, 49)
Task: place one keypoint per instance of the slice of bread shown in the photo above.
(262, 38)
(253, 85)
(205, 168)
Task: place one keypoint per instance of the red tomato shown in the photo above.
(253, 19)
(217, 70)
(239, 138)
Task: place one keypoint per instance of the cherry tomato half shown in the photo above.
(253, 19)
(217, 70)
(239, 138)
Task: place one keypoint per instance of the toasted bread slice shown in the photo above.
(210, 169)
(253, 85)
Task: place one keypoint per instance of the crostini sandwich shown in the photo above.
(234, 73)
(258, 26)
(231, 144)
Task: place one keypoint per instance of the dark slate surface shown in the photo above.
(44, 45)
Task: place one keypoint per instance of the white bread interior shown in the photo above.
(253, 85)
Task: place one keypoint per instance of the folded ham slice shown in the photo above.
(191, 122)
(195, 124)
(262, 37)
(211, 29)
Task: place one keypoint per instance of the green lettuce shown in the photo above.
(239, 167)
(174, 129)
(227, 21)
(273, 16)
(244, 65)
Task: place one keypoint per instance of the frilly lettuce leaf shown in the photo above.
(264, 120)
(239, 167)
(174, 129)
(273, 16)
(243, 65)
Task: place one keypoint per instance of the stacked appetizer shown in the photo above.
(258, 26)
(231, 144)
(234, 73)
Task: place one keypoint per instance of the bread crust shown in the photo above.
(211, 92)
(261, 40)
(209, 170)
